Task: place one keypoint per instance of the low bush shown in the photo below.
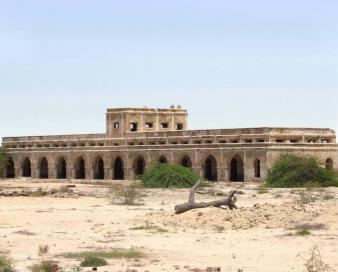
(93, 261)
(5, 264)
(164, 175)
(297, 171)
(45, 266)
(127, 194)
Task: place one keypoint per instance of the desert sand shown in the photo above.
(261, 235)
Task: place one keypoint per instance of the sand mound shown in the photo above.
(259, 215)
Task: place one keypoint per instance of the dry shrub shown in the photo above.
(43, 250)
(127, 194)
(315, 263)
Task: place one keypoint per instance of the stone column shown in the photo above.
(17, 171)
(108, 175)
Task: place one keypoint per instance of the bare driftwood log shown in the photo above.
(191, 204)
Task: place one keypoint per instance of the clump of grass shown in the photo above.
(113, 254)
(163, 175)
(315, 262)
(262, 190)
(292, 171)
(6, 264)
(43, 250)
(45, 266)
(310, 226)
(306, 197)
(150, 227)
(93, 261)
(127, 195)
(303, 232)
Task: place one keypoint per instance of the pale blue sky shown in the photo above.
(230, 63)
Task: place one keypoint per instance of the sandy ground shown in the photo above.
(259, 236)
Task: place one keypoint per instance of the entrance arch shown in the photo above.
(162, 159)
(61, 169)
(43, 168)
(186, 162)
(98, 168)
(257, 168)
(236, 169)
(10, 169)
(26, 168)
(79, 167)
(210, 168)
(139, 166)
(118, 169)
(329, 164)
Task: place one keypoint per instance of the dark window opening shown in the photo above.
(116, 125)
(139, 167)
(329, 164)
(98, 169)
(186, 162)
(133, 127)
(164, 125)
(149, 125)
(163, 159)
(179, 126)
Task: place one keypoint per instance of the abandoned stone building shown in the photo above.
(138, 137)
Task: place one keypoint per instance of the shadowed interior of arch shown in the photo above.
(186, 162)
(118, 169)
(210, 169)
(26, 168)
(162, 159)
(80, 169)
(329, 163)
(139, 166)
(43, 168)
(61, 169)
(257, 168)
(236, 169)
(10, 169)
(98, 168)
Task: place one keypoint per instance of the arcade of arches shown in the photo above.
(210, 168)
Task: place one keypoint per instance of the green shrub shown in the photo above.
(164, 175)
(297, 171)
(5, 264)
(93, 261)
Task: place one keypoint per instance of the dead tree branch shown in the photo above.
(191, 204)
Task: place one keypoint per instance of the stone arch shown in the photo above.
(10, 168)
(26, 169)
(236, 169)
(210, 168)
(80, 168)
(329, 164)
(61, 168)
(139, 166)
(257, 168)
(163, 159)
(43, 168)
(118, 169)
(186, 162)
(98, 168)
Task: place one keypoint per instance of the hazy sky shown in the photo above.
(230, 63)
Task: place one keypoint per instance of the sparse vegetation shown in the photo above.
(93, 261)
(162, 175)
(43, 250)
(150, 227)
(127, 194)
(297, 171)
(45, 266)
(315, 263)
(6, 264)
(303, 232)
(113, 254)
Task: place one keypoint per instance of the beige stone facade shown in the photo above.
(137, 137)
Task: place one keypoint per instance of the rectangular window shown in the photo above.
(149, 125)
(133, 126)
(179, 126)
(164, 125)
(116, 125)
